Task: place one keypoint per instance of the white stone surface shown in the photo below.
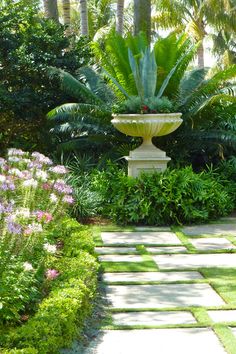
(172, 249)
(150, 276)
(157, 341)
(152, 228)
(120, 258)
(143, 238)
(233, 329)
(153, 318)
(115, 250)
(210, 229)
(162, 296)
(186, 261)
(212, 243)
(222, 315)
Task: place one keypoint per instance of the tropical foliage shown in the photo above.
(193, 93)
(195, 17)
(29, 45)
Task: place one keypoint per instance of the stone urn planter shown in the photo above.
(147, 157)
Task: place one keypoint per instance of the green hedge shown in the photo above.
(60, 316)
(174, 197)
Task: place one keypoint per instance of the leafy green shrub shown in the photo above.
(227, 175)
(175, 196)
(18, 288)
(30, 44)
(61, 315)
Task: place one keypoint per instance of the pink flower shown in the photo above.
(68, 199)
(52, 274)
(59, 169)
(46, 186)
(43, 216)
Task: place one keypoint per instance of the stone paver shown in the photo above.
(115, 250)
(222, 315)
(152, 228)
(162, 296)
(157, 341)
(153, 318)
(211, 229)
(186, 261)
(233, 329)
(212, 243)
(150, 276)
(172, 249)
(143, 238)
(120, 258)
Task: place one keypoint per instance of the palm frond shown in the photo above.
(73, 87)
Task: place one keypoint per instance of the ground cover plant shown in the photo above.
(47, 274)
(177, 196)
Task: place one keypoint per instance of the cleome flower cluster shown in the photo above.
(33, 196)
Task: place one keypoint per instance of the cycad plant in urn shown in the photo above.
(148, 114)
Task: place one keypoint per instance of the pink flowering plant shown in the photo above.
(33, 198)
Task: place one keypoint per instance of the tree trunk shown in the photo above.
(66, 11)
(200, 56)
(51, 10)
(142, 17)
(84, 17)
(120, 17)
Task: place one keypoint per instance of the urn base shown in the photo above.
(146, 159)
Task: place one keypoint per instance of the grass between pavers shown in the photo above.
(226, 337)
(148, 265)
(223, 280)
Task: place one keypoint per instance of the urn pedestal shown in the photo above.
(147, 157)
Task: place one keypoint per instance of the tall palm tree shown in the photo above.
(66, 11)
(100, 16)
(120, 16)
(195, 16)
(50, 9)
(84, 17)
(142, 17)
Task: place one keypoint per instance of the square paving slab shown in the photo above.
(210, 229)
(223, 315)
(150, 276)
(186, 261)
(157, 341)
(153, 318)
(162, 296)
(212, 243)
(120, 258)
(115, 250)
(172, 249)
(143, 238)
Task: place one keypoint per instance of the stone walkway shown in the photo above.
(156, 311)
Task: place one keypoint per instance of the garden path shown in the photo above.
(169, 290)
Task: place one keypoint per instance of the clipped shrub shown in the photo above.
(173, 197)
(60, 316)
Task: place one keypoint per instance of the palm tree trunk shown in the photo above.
(200, 56)
(142, 17)
(84, 17)
(120, 17)
(66, 11)
(51, 9)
